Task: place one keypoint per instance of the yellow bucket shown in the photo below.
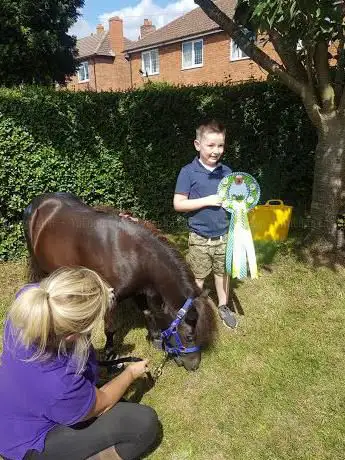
(270, 221)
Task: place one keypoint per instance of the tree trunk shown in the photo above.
(328, 199)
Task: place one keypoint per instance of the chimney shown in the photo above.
(116, 34)
(99, 29)
(146, 28)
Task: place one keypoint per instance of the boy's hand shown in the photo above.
(138, 369)
(213, 200)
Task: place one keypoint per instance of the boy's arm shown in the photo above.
(184, 204)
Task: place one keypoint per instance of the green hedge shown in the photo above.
(126, 149)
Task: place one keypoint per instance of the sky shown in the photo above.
(133, 13)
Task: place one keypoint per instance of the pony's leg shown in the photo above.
(154, 332)
(109, 352)
(109, 328)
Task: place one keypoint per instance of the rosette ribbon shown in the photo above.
(239, 193)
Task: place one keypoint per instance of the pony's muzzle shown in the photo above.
(190, 361)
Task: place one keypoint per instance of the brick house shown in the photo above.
(191, 49)
(103, 64)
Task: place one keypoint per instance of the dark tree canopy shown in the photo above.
(35, 47)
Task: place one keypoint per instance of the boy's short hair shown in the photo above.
(209, 126)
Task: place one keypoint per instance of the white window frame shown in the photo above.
(83, 64)
(193, 66)
(155, 50)
(240, 55)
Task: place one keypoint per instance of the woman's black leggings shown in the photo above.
(131, 428)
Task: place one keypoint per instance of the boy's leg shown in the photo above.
(200, 282)
(221, 281)
(199, 258)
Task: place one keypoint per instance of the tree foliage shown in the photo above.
(308, 36)
(34, 44)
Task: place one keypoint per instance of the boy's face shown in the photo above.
(210, 148)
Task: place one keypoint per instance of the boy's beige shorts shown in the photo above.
(206, 255)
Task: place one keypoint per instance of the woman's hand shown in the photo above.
(138, 369)
(110, 393)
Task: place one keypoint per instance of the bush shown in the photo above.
(126, 149)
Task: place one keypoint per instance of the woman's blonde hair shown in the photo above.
(69, 301)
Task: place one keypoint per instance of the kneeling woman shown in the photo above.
(50, 407)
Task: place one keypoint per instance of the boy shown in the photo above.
(196, 195)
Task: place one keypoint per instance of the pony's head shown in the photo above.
(195, 331)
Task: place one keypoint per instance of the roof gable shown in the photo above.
(97, 45)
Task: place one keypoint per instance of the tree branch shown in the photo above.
(309, 65)
(323, 75)
(312, 107)
(340, 72)
(262, 59)
(289, 57)
(253, 51)
(341, 106)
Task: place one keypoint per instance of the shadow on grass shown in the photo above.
(315, 252)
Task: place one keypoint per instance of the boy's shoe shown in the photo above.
(228, 317)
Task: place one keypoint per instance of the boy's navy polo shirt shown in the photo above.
(195, 181)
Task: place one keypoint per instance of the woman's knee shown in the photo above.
(148, 420)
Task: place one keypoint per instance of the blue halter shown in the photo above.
(166, 335)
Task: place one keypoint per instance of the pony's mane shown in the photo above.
(168, 249)
(125, 214)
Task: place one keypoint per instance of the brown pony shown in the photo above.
(61, 230)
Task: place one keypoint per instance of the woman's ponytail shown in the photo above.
(32, 319)
(61, 313)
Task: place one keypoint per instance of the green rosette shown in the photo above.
(239, 193)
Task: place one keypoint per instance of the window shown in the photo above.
(236, 53)
(150, 62)
(83, 71)
(192, 54)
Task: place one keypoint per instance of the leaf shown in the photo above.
(292, 9)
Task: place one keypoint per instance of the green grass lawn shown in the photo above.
(273, 389)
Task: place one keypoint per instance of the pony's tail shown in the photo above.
(34, 273)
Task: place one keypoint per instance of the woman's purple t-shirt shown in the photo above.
(36, 396)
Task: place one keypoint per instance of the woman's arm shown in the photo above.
(111, 393)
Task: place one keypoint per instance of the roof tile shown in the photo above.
(97, 44)
(196, 22)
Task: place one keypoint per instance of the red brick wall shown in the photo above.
(74, 85)
(105, 74)
(217, 66)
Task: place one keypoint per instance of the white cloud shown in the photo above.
(81, 28)
(133, 17)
